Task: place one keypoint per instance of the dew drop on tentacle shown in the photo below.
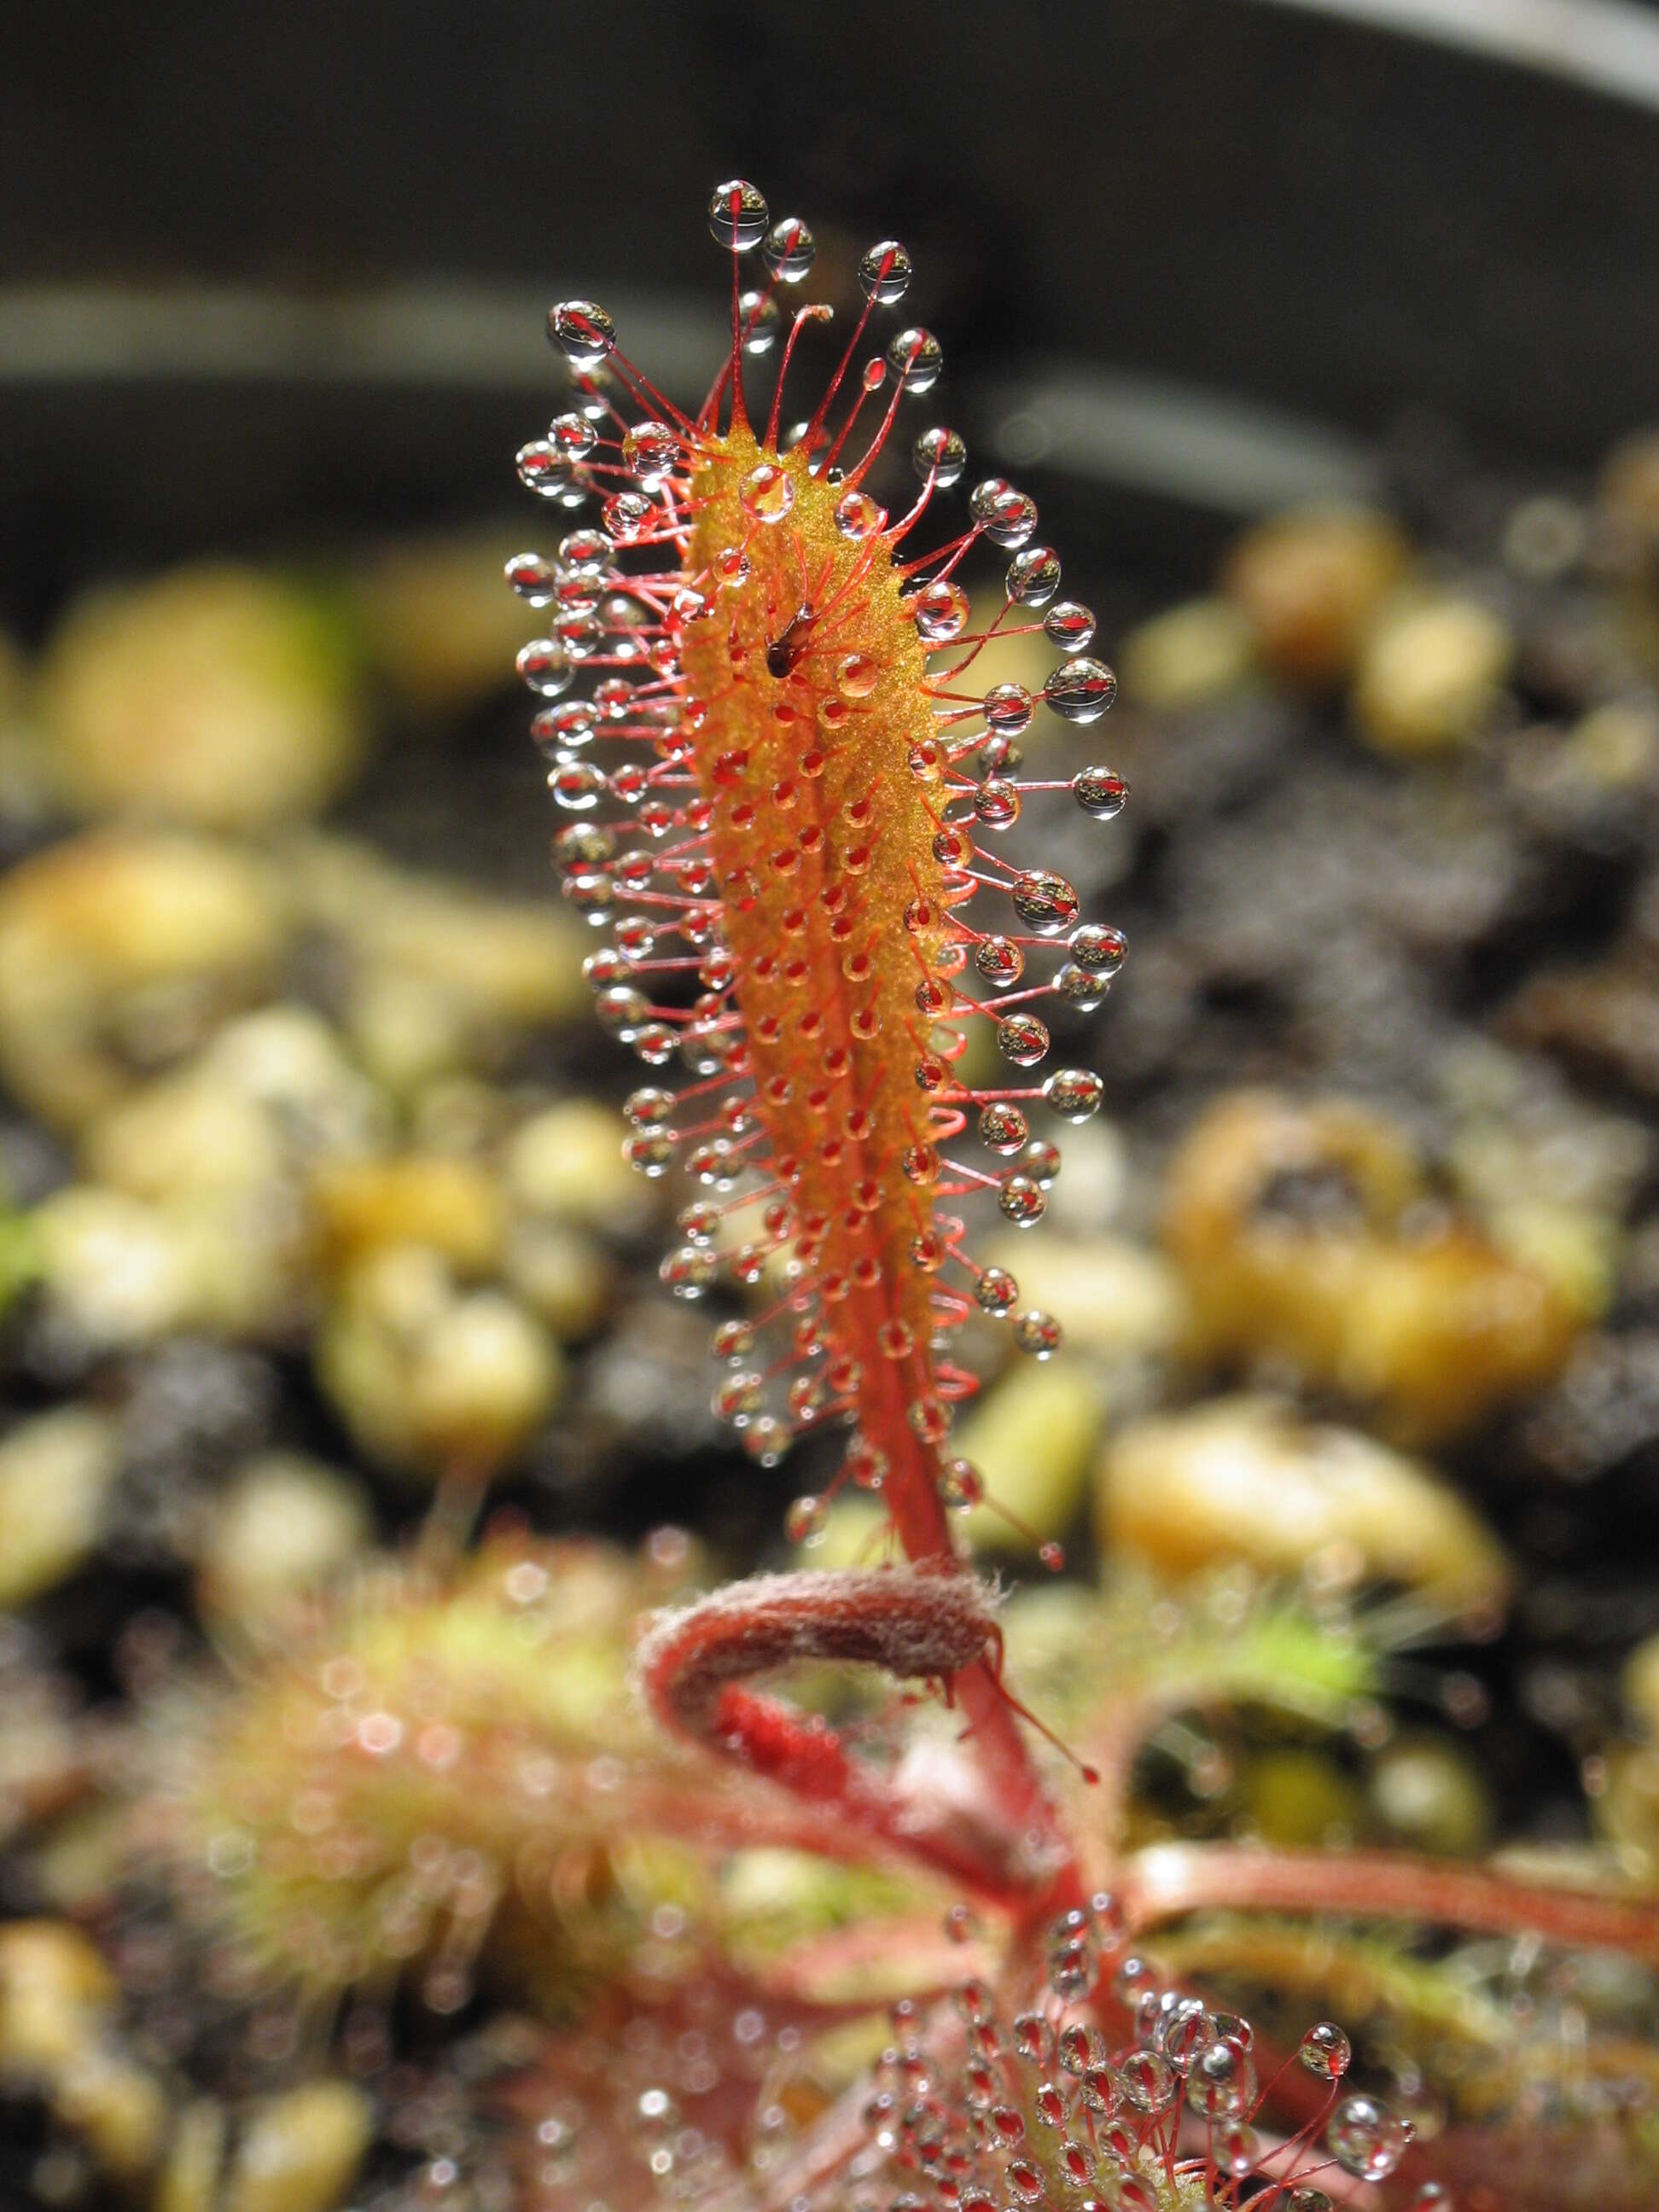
(1022, 1038)
(544, 469)
(915, 359)
(1034, 576)
(572, 435)
(767, 493)
(789, 249)
(1100, 793)
(1081, 690)
(885, 272)
(1008, 708)
(1074, 1093)
(761, 320)
(651, 450)
(1099, 947)
(626, 516)
(533, 577)
(578, 787)
(941, 612)
(585, 553)
(1325, 2051)
(1045, 901)
(1366, 2139)
(805, 1521)
(1037, 1333)
(858, 517)
(997, 803)
(1002, 1126)
(738, 215)
(1069, 625)
(1000, 960)
(1006, 515)
(940, 453)
(583, 331)
(1022, 1200)
(562, 732)
(544, 664)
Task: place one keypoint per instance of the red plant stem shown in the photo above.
(919, 1516)
(889, 1389)
(1170, 1880)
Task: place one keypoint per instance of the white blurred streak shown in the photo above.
(1176, 441)
(471, 336)
(1609, 46)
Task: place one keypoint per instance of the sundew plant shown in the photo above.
(788, 780)
(808, 910)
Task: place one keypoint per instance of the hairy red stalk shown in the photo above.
(1168, 1881)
